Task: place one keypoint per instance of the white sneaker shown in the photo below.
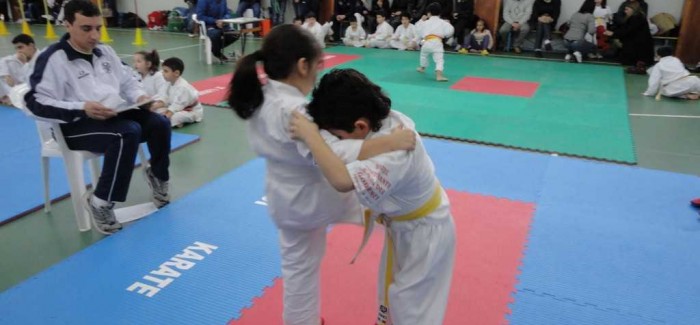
(578, 56)
(567, 58)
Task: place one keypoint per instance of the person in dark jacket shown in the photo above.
(637, 44)
(398, 7)
(462, 19)
(545, 14)
(211, 12)
(619, 17)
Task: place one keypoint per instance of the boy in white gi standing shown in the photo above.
(399, 188)
(433, 31)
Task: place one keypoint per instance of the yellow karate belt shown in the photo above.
(428, 207)
(432, 36)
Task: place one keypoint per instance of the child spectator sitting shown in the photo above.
(382, 36)
(319, 31)
(354, 35)
(479, 40)
(670, 78)
(405, 36)
(181, 102)
(147, 65)
(15, 68)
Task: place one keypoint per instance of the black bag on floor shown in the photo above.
(131, 20)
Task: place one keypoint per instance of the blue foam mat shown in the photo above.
(511, 174)
(611, 244)
(90, 287)
(21, 165)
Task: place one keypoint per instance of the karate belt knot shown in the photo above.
(425, 209)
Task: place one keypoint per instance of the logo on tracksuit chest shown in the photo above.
(82, 74)
(107, 67)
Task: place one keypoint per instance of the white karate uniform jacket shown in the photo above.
(355, 37)
(404, 37)
(179, 96)
(396, 184)
(670, 77)
(381, 37)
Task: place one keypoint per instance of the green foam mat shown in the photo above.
(578, 110)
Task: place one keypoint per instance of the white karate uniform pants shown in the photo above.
(435, 48)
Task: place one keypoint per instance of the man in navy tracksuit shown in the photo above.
(82, 85)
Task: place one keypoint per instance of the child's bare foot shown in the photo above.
(692, 96)
(420, 69)
(440, 76)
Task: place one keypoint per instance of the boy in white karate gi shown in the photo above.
(354, 35)
(399, 188)
(433, 31)
(405, 34)
(180, 103)
(319, 31)
(670, 78)
(382, 36)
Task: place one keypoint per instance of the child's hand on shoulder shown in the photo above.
(403, 138)
(301, 127)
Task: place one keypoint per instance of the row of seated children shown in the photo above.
(173, 96)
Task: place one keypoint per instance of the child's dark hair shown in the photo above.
(588, 7)
(352, 18)
(406, 14)
(344, 96)
(153, 58)
(23, 38)
(483, 22)
(311, 14)
(664, 51)
(434, 9)
(83, 7)
(298, 18)
(282, 48)
(174, 64)
(380, 12)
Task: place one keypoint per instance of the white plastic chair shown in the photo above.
(54, 145)
(203, 39)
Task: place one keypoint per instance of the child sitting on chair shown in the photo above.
(319, 31)
(180, 103)
(400, 189)
(670, 78)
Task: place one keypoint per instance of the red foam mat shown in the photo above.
(212, 91)
(497, 86)
(491, 235)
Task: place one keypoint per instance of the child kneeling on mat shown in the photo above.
(399, 189)
(180, 103)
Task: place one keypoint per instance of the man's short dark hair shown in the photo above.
(174, 64)
(23, 38)
(83, 7)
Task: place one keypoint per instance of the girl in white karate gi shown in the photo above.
(268, 85)
(147, 65)
(399, 188)
(433, 31)
(670, 78)
(405, 34)
(382, 36)
(354, 35)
